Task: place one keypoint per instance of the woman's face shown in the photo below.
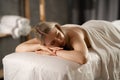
(55, 38)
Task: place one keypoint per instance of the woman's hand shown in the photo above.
(54, 49)
(48, 50)
(45, 52)
(44, 48)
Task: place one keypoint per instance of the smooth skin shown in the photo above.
(77, 44)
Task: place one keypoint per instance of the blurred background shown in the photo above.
(61, 11)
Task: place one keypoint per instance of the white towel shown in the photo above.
(14, 25)
(105, 39)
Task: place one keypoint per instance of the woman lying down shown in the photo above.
(72, 42)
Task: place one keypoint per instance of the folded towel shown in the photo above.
(14, 25)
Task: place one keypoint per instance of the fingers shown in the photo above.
(46, 49)
(51, 49)
(55, 48)
(45, 52)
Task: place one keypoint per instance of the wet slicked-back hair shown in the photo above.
(42, 29)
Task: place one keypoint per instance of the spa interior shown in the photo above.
(18, 17)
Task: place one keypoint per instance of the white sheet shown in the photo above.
(31, 66)
(105, 40)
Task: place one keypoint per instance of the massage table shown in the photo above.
(32, 66)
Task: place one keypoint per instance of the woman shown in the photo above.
(68, 42)
(72, 42)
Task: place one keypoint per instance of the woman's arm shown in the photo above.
(79, 52)
(28, 46)
(31, 46)
(72, 55)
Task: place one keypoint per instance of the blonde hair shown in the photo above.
(41, 29)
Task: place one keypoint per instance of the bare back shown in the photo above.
(76, 33)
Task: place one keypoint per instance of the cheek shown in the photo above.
(47, 42)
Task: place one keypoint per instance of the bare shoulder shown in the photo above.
(76, 32)
(77, 39)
